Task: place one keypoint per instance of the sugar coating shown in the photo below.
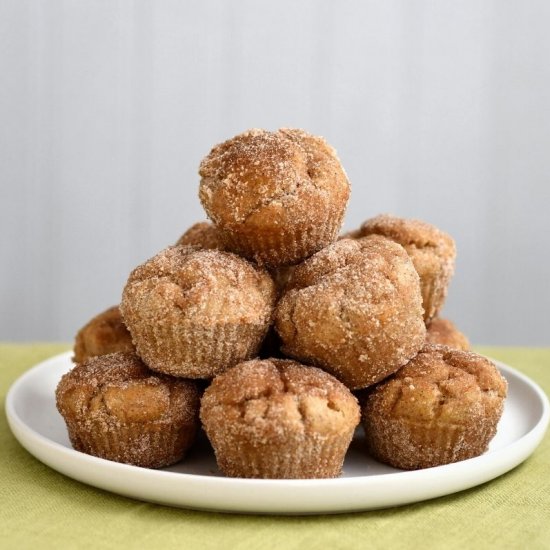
(276, 197)
(443, 406)
(353, 309)
(278, 418)
(116, 408)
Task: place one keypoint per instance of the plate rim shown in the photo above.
(517, 451)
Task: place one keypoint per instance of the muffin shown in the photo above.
(116, 408)
(275, 197)
(442, 407)
(442, 331)
(353, 309)
(278, 419)
(432, 251)
(106, 333)
(194, 313)
(202, 235)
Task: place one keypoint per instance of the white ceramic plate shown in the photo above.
(197, 483)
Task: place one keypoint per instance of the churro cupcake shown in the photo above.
(279, 419)
(202, 235)
(105, 333)
(442, 331)
(355, 310)
(275, 197)
(116, 408)
(194, 313)
(442, 407)
(432, 251)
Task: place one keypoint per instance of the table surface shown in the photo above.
(44, 509)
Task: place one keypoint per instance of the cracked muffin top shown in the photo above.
(199, 286)
(261, 185)
(271, 398)
(441, 385)
(119, 389)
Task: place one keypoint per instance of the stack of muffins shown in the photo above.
(265, 327)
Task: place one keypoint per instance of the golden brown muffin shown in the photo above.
(353, 309)
(432, 251)
(275, 197)
(194, 313)
(442, 407)
(202, 235)
(104, 334)
(116, 408)
(442, 331)
(278, 419)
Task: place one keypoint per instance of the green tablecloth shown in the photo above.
(40, 508)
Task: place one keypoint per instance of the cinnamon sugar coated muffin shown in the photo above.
(278, 419)
(194, 313)
(442, 407)
(432, 251)
(115, 408)
(105, 333)
(275, 197)
(353, 309)
(202, 235)
(442, 331)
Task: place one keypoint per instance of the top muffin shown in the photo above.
(275, 197)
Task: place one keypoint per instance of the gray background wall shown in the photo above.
(439, 110)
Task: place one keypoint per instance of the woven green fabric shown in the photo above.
(43, 509)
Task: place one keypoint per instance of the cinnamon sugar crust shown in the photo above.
(194, 313)
(444, 332)
(432, 251)
(277, 418)
(442, 407)
(105, 333)
(202, 235)
(353, 309)
(275, 197)
(117, 409)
